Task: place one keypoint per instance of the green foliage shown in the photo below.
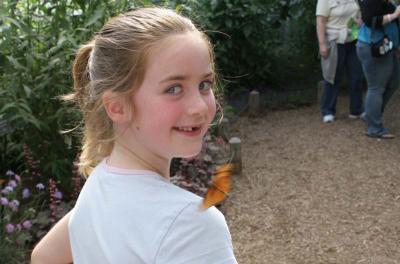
(37, 47)
(258, 42)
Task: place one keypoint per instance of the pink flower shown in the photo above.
(14, 204)
(12, 183)
(17, 178)
(40, 186)
(10, 228)
(7, 190)
(26, 193)
(3, 201)
(27, 224)
(58, 195)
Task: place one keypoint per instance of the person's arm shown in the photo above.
(375, 13)
(54, 248)
(321, 28)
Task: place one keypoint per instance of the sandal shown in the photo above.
(383, 136)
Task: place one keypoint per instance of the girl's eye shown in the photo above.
(205, 86)
(174, 89)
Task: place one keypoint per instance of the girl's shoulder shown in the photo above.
(197, 236)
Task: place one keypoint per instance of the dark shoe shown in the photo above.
(383, 136)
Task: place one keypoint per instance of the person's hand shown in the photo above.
(323, 50)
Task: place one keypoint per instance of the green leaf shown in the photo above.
(13, 21)
(214, 4)
(23, 237)
(27, 90)
(96, 17)
(247, 31)
(8, 106)
(15, 63)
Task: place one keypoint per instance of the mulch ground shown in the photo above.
(316, 193)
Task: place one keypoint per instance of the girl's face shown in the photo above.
(175, 104)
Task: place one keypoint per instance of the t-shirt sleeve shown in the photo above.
(373, 11)
(323, 8)
(197, 237)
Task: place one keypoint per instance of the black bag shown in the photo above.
(382, 47)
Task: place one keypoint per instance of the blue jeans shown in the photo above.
(347, 59)
(383, 78)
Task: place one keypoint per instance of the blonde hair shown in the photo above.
(115, 59)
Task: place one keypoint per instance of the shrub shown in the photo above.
(28, 209)
(260, 43)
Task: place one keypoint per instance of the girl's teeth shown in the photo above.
(187, 129)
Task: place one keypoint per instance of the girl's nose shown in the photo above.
(197, 104)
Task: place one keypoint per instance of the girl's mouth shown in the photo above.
(189, 130)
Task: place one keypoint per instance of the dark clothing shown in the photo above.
(347, 60)
(372, 12)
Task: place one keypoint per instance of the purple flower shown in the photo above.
(14, 204)
(12, 183)
(3, 201)
(26, 193)
(10, 228)
(40, 186)
(17, 177)
(7, 190)
(58, 195)
(10, 173)
(27, 224)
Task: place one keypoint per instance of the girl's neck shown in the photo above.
(125, 158)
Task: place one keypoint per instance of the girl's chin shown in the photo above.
(189, 155)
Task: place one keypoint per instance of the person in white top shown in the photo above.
(337, 26)
(144, 84)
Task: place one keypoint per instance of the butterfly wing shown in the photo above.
(213, 196)
(220, 187)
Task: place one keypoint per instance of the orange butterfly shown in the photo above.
(221, 185)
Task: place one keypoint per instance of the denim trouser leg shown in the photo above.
(382, 77)
(393, 84)
(354, 77)
(347, 59)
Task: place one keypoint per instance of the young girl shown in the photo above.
(144, 84)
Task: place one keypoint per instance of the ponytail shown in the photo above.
(97, 132)
(81, 74)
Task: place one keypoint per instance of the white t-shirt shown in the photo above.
(338, 13)
(136, 216)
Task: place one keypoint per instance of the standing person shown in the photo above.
(338, 52)
(145, 87)
(382, 73)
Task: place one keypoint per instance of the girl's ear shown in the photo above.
(117, 107)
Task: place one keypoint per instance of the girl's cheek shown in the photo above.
(212, 106)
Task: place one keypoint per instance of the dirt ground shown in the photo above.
(316, 193)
